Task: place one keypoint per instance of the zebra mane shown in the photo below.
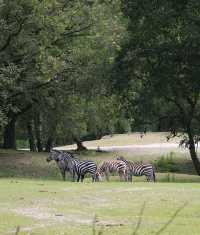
(121, 158)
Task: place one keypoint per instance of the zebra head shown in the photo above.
(53, 155)
(98, 175)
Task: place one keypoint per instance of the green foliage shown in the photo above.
(167, 163)
(22, 144)
(56, 59)
(159, 64)
(156, 71)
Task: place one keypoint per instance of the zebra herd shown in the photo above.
(126, 169)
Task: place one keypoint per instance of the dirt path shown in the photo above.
(139, 149)
(138, 146)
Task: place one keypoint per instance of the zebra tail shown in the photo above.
(154, 176)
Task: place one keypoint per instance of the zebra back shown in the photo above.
(112, 166)
(80, 167)
(139, 169)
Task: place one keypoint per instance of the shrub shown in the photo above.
(167, 163)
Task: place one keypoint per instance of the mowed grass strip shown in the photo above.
(55, 207)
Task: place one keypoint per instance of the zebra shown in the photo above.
(112, 166)
(139, 170)
(59, 158)
(77, 167)
(81, 168)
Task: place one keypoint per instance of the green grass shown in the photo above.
(33, 196)
(55, 207)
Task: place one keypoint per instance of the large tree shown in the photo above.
(158, 68)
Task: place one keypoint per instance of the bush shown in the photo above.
(167, 163)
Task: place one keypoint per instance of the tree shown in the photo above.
(55, 65)
(160, 64)
(34, 43)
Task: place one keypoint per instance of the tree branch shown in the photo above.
(183, 116)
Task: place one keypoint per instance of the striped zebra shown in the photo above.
(81, 168)
(110, 167)
(59, 158)
(77, 167)
(139, 170)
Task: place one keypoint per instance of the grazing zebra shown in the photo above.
(112, 166)
(59, 158)
(139, 170)
(81, 168)
(75, 166)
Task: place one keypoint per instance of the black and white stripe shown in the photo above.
(110, 167)
(77, 167)
(139, 169)
(60, 160)
(81, 168)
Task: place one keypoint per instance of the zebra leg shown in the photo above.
(120, 176)
(148, 178)
(78, 178)
(93, 177)
(82, 178)
(130, 177)
(127, 176)
(154, 177)
(107, 176)
(73, 176)
(63, 174)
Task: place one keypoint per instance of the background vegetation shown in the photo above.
(77, 70)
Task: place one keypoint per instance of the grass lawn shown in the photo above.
(55, 207)
(33, 196)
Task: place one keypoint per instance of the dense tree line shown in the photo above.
(55, 61)
(77, 70)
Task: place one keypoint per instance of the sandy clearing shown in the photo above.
(139, 149)
(118, 147)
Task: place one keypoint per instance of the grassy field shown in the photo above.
(55, 207)
(33, 196)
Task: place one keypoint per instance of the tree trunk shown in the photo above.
(9, 134)
(49, 144)
(31, 136)
(193, 153)
(80, 146)
(37, 124)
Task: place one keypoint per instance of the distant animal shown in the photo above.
(139, 170)
(75, 166)
(112, 166)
